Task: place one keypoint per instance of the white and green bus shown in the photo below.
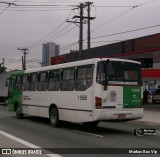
(87, 91)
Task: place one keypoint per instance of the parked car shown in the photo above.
(156, 96)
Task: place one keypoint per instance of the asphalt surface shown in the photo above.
(151, 115)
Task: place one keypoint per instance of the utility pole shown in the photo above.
(89, 18)
(2, 68)
(81, 22)
(81, 28)
(24, 57)
(3, 62)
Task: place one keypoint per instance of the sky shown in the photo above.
(30, 23)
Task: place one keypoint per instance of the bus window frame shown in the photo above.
(42, 85)
(25, 85)
(31, 87)
(18, 85)
(68, 82)
(55, 81)
(11, 87)
(84, 87)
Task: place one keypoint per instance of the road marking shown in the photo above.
(89, 133)
(26, 143)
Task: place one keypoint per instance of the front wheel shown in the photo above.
(19, 115)
(54, 117)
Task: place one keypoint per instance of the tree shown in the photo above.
(2, 68)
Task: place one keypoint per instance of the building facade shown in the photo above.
(49, 50)
(144, 49)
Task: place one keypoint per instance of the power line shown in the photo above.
(12, 60)
(114, 6)
(146, 3)
(61, 50)
(37, 10)
(64, 48)
(46, 5)
(138, 29)
(132, 7)
(30, 7)
(69, 46)
(5, 8)
(40, 5)
(36, 7)
(46, 36)
(9, 4)
(55, 35)
(40, 2)
(114, 18)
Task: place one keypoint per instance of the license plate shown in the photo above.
(121, 116)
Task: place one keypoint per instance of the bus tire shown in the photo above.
(54, 117)
(19, 115)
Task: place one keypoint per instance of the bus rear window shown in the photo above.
(118, 71)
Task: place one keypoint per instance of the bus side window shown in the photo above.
(33, 81)
(42, 83)
(25, 82)
(100, 73)
(84, 78)
(11, 87)
(54, 80)
(68, 80)
(18, 82)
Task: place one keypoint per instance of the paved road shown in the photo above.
(107, 135)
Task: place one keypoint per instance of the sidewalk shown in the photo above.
(151, 113)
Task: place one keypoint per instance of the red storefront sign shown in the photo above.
(58, 59)
(150, 73)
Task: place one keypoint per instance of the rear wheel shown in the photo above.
(54, 117)
(19, 115)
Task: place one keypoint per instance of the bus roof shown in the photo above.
(17, 72)
(77, 63)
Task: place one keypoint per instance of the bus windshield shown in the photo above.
(111, 72)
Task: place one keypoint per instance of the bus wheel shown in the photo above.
(54, 117)
(91, 124)
(19, 115)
